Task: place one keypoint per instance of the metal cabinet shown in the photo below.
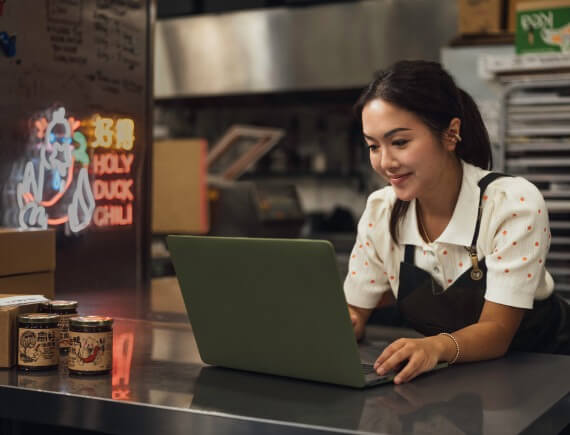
(534, 135)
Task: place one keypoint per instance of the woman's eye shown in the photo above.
(373, 147)
(400, 142)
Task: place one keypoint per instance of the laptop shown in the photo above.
(273, 306)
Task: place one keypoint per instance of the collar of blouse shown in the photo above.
(460, 229)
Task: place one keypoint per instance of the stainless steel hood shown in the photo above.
(336, 46)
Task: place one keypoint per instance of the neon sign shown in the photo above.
(114, 189)
(40, 203)
(122, 136)
(112, 155)
(125, 134)
(58, 189)
(111, 163)
(113, 215)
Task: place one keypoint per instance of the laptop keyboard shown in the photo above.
(367, 368)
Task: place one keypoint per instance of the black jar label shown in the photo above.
(90, 351)
(38, 347)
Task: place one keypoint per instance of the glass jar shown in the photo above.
(66, 310)
(38, 341)
(91, 351)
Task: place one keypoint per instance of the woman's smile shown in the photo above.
(398, 180)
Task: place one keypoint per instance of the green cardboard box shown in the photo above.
(543, 26)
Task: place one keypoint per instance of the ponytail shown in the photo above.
(475, 146)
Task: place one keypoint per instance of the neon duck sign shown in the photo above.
(60, 191)
(40, 202)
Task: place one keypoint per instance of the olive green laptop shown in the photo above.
(272, 306)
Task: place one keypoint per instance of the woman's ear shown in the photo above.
(453, 134)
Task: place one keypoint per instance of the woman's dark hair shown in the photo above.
(425, 89)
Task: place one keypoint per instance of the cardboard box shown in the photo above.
(26, 251)
(481, 16)
(543, 26)
(165, 296)
(179, 196)
(9, 330)
(39, 283)
(512, 17)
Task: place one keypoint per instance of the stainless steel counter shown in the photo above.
(159, 385)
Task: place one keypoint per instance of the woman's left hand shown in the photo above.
(419, 354)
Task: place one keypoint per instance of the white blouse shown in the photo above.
(514, 238)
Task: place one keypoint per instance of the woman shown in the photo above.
(461, 249)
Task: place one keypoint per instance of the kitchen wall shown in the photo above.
(322, 152)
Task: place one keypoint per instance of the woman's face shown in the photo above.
(404, 150)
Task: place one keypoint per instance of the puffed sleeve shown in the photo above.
(515, 222)
(366, 279)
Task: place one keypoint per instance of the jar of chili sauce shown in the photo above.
(66, 310)
(91, 345)
(38, 341)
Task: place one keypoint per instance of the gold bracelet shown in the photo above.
(456, 346)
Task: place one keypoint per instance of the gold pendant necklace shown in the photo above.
(422, 228)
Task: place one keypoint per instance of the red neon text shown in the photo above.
(112, 163)
(113, 189)
(113, 215)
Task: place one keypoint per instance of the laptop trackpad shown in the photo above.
(370, 350)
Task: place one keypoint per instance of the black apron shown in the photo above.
(430, 309)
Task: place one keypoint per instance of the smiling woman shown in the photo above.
(461, 249)
(411, 158)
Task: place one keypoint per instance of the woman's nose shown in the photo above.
(386, 160)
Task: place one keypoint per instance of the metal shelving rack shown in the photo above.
(534, 133)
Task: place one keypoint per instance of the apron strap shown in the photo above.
(409, 254)
(483, 183)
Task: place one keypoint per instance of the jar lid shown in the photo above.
(38, 318)
(63, 305)
(92, 321)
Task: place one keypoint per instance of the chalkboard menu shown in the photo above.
(75, 107)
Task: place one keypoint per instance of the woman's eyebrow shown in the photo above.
(388, 133)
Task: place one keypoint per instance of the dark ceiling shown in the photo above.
(176, 8)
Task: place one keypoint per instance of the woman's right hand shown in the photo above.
(358, 317)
